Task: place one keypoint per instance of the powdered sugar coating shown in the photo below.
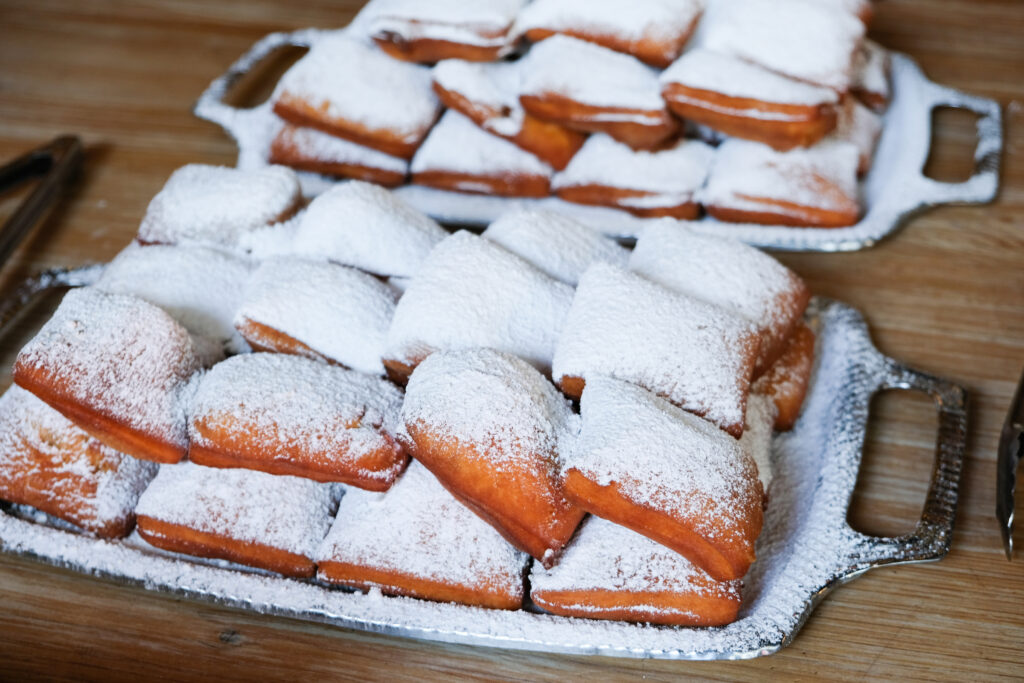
(590, 74)
(696, 354)
(558, 245)
(417, 528)
(482, 22)
(491, 85)
(472, 293)
(803, 39)
(199, 287)
(339, 312)
(64, 471)
(860, 127)
(704, 69)
(344, 78)
(121, 357)
(606, 556)
(823, 176)
(319, 146)
(216, 205)
(458, 145)
(757, 436)
(664, 458)
(871, 70)
(282, 512)
(673, 174)
(363, 225)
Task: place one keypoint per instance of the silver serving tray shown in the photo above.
(806, 550)
(894, 190)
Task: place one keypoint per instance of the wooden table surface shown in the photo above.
(945, 294)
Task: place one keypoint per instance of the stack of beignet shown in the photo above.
(594, 103)
(259, 385)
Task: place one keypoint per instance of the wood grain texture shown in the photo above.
(946, 295)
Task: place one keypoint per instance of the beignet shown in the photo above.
(653, 31)
(493, 431)
(49, 463)
(458, 155)
(676, 478)
(649, 184)
(593, 89)
(556, 244)
(472, 293)
(697, 355)
(786, 381)
(319, 310)
(117, 367)
(611, 572)
(432, 30)
(725, 272)
(217, 205)
(252, 518)
(363, 225)
(814, 187)
(488, 94)
(308, 149)
(744, 100)
(289, 415)
(417, 540)
(860, 127)
(350, 89)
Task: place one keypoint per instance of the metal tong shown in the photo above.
(1011, 447)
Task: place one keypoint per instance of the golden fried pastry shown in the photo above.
(49, 463)
(787, 380)
(317, 309)
(590, 88)
(289, 415)
(117, 367)
(471, 293)
(860, 127)
(649, 184)
(308, 149)
(488, 95)
(354, 91)
(745, 100)
(653, 31)
(673, 477)
(808, 41)
(493, 430)
(610, 572)
(697, 355)
(432, 30)
(363, 225)
(814, 187)
(725, 272)
(871, 75)
(216, 205)
(458, 155)
(417, 540)
(757, 436)
(252, 518)
(556, 244)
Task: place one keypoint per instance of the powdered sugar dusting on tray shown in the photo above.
(363, 225)
(590, 74)
(314, 144)
(639, 20)
(558, 245)
(339, 312)
(458, 145)
(698, 355)
(283, 512)
(418, 528)
(472, 293)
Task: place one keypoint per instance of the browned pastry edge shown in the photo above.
(605, 195)
(805, 124)
(786, 382)
(587, 118)
(182, 539)
(774, 342)
(397, 371)
(393, 582)
(723, 560)
(502, 185)
(431, 50)
(551, 143)
(26, 495)
(657, 53)
(109, 430)
(266, 338)
(875, 101)
(788, 213)
(301, 113)
(672, 609)
(287, 154)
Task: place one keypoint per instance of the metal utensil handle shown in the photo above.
(933, 535)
